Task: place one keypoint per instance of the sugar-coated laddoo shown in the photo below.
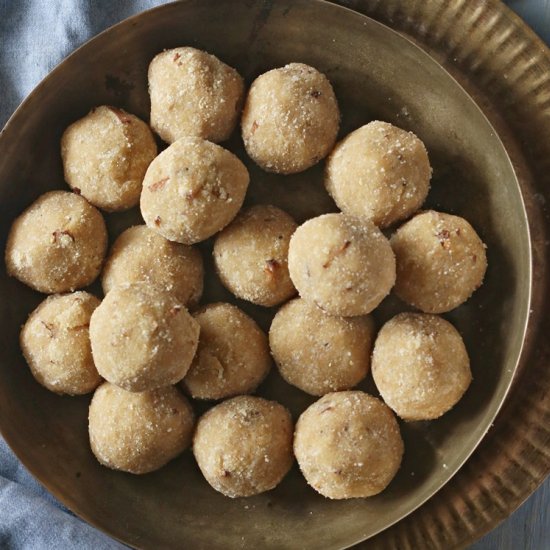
(440, 259)
(142, 338)
(139, 432)
(251, 255)
(348, 445)
(193, 93)
(105, 156)
(192, 190)
(420, 365)
(290, 119)
(317, 352)
(57, 244)
(142, 255)
(379, 173)
(243, 446)
(55, 342)
(344, 266)
(232, 357)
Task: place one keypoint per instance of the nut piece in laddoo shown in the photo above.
(344, 266)
(56, 343)
(317, 352)
(243, 446)
(142, 255)
(348, 445)
(57, 244)
(232, 357)
(193, 94)
(142, 338)
(139, 432)
(290, 119)
(105, 156)
(251, 255)
(420, 365)
(379, 173)
(440, 259)
(192, 190)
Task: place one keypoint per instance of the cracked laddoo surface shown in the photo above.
(232, 357)
(192, 190)
(57, 244)
(251, 255)
(243, 446)
(55, 342)
(290, 119)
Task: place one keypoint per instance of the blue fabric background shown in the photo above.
(35, 35)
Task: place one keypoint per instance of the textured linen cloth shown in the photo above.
(35, 35)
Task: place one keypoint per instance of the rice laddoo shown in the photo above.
(142, 338)
(243, 446)
(193, 94)
(57, 244)
(420, 366)
(139, 432)
(348, 445)
(251, 255)
(105, 156)
(344, 266)
(317, 352)
(440, 259)
(192, 190)
(379, 173)
(55, 342)
(140, 254)
(290, 119)
(232, 357)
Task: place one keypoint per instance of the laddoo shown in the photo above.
(379, 173)
(55, 342)
(142, 338)
(440, 259)
(57, 244)
(105, 156)
(192, 190)
(290, 119)
(139, 432)
(232, 357)
(251, 255)
(317, 352)
(243, 446)
(193, 94)
(344, 266)
(348, 445)
(420, 366)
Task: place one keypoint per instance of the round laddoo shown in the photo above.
(251, 255)
(142, 255)
(290, 119)
(243, 446)
(192, 190)
(55, 342)
(232, 357)
(379, 173)
(193, 94)
(139, 432)
(57, 244)
(317, 352)
(440, 259)
(420, 366)
(344, 266)
(105, 156)
(348, 445)
(142, 338)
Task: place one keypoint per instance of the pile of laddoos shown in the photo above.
(142, 339)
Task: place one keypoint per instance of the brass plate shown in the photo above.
(377, 74)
